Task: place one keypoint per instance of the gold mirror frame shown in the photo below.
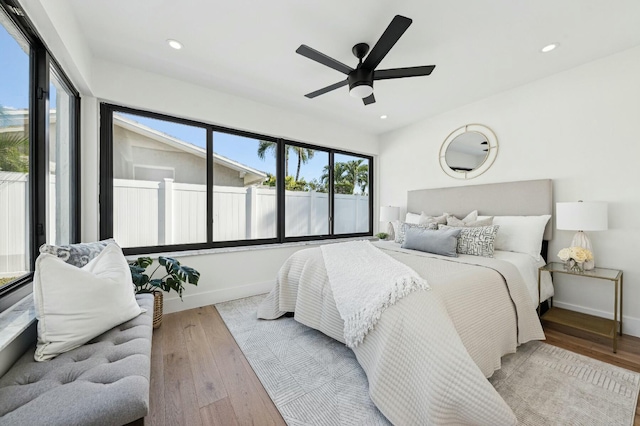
(488, 160)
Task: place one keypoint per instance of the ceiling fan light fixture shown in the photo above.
(361, 91)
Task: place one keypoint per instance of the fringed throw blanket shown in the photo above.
(365, 281)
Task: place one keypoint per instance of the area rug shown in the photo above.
(315, 380)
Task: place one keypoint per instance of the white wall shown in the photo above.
(225, 276)
(579, 128)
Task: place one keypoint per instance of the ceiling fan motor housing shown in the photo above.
(359, 77)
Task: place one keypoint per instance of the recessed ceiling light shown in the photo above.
(549, 47)
(175, 44)
(383, 117)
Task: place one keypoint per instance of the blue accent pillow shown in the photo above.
(436, 241)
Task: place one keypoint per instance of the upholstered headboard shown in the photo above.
(524, 198)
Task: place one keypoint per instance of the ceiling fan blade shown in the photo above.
(394, 31)
(369, 99)
(320, 57)
(403, 72)
(327, 89)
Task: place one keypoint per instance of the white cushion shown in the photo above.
(471, 217)
(412, 218)
(521, 234)
(74, 305)
(425, 218)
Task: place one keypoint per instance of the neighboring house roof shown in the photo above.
(249, 174)
(14, 120)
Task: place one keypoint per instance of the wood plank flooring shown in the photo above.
(199, 375)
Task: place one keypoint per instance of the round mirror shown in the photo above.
(468, 151)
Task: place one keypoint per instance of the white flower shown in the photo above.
(564, 254)
(579, 254)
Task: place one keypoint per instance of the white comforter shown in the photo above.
(428, 355)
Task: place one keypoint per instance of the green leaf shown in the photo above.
(176, 276)
(141, 262)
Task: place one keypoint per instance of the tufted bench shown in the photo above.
(103, 382)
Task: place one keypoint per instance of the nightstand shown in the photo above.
(577, 320)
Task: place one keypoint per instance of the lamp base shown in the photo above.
(390, 231)
(581, 240)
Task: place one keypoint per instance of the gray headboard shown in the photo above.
(524, 198)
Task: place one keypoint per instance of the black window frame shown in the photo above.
(106, 184)
(41, 62)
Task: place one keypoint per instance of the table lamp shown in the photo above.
(388, 214)
(582, 216)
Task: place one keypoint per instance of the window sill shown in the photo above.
(184, 253)
(15, 320)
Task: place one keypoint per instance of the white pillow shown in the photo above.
(74, 305)
(471, 217)
(521, 234)
(413, 218)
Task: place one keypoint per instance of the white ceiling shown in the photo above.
(247, 48)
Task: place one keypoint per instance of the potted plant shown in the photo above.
(174, 279)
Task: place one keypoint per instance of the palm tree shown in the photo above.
(341, 184)
(304, 155)
(14, 147)
(348, 176)
(265, 146)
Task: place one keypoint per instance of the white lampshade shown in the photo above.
(389, 213)
(361, 91)
(582, 216)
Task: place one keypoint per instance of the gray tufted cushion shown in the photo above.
(103, 382)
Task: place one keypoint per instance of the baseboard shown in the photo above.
(190, 301)
(630, 325)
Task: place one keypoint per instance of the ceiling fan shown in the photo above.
(360, 79)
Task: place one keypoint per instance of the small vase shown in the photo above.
(573, 266)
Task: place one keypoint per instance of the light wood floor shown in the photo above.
(199, 375)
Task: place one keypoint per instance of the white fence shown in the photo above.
(158, 213)
(14, 212)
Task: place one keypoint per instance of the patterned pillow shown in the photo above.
(402, 229)
(477, 241)
(77, 254)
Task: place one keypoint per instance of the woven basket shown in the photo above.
(157, 308)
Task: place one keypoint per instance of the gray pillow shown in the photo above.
(437, 241)
(477, 241)
(402, 229)
(77, 254)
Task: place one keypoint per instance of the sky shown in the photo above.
(14, 74)
(14, 93)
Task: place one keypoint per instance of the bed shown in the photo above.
(429, 354)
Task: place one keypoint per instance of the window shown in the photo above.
(175, 184)
(61, 185)
(14, 153)
(244, 192)
(159, 182)
(306, 191)
(38, 153)
(351, 193)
